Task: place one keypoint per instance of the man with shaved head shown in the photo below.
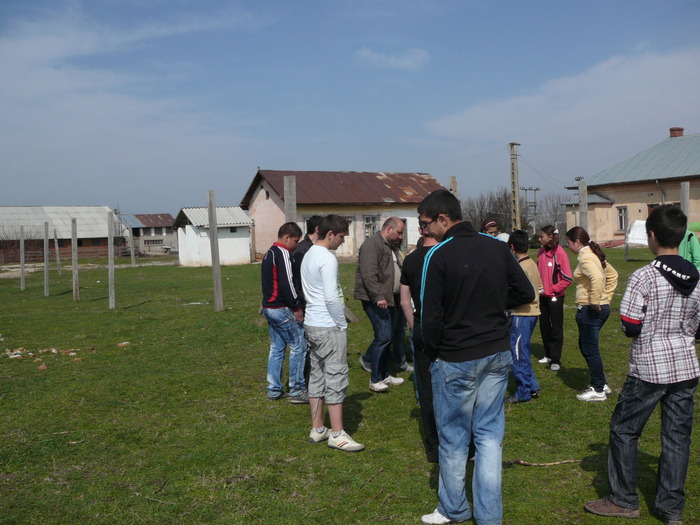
(376, 285)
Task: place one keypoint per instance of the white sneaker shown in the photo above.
(344, 442)
(315, 437)
(435, 517)
(554, 367)
(591, 395)
(406, 368)
(545, 360)
(378, 387)
(607, 390)
(392, 381)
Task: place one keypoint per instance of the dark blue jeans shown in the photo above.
(636, 403)
(589, 324)
(377, 353)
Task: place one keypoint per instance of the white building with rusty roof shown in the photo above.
(365, 199)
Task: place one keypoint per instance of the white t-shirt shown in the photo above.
(319, 278)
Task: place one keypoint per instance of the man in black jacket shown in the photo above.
(469, 281)
(282, 309)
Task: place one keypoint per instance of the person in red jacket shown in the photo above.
(555, 272)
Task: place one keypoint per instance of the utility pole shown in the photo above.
(515, 193)
(582, 203)
(531, 205)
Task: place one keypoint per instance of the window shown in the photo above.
(233, 229)
(371, 225)
(152, 242)
(622, 218)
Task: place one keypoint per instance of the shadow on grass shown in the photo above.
(575, 378)
(135, 305)
(646, 473)
(536, 350)
(352, 411)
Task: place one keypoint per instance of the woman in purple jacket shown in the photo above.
(555, 271)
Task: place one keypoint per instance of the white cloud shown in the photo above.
(411, 59)
(578, 125)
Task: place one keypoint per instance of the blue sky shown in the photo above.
(146, 105)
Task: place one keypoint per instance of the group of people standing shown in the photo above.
(457, 291)
(313, 312)
(596, 281)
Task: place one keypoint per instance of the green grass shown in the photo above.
(176, 428)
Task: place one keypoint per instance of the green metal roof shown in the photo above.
(675, 157)
(593, 198)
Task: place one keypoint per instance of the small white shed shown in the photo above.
(233, 231)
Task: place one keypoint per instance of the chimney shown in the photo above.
(676, 132)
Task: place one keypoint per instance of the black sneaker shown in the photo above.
(513, 400)
(277, 396)
(535, 394)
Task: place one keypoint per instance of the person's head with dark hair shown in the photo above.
(489, 227)
(519, 242)
(577, 238)
(332, 231)
(549, 237)
(441, 202)
(312, 224)
(333, 223)
(288, 235)
(289, 228)
(668, 223)
(438, 212)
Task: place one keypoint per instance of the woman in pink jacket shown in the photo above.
(555, 271)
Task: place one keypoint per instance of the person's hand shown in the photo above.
(383, 304)
(299, 315)
(595, 307)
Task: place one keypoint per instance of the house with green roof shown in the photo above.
(629, 190)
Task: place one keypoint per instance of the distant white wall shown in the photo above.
(195, 250)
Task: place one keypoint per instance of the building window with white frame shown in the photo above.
(371, 225)
(622, 218)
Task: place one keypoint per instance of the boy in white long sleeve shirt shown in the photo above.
(326, 331)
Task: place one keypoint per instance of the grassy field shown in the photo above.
(175, 426)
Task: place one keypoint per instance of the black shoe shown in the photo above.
(535, 395)
(513, 400)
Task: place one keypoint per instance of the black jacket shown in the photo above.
(469, 281)
(277, 287)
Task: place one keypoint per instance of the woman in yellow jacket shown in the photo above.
(596, 281)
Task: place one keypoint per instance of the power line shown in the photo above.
(543, 175)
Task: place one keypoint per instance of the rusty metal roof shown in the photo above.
(348, 187)
(155, 220)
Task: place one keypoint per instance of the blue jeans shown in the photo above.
(468, 398)
(636, 403)
(377, 353)
(284, 330)
(589, 324)
(521, 328)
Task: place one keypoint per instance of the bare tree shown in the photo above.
(551, 209)
(494, 205)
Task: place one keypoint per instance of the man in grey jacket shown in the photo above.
(376, 283)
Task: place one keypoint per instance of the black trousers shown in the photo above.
(424, 385)
(552, 326)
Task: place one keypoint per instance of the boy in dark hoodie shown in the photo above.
(661, 312)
